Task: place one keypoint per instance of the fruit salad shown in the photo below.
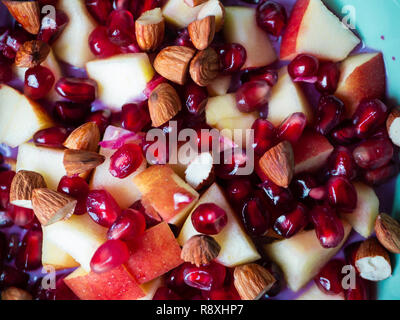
(192, 150)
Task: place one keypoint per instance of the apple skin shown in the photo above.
(309, 24)
(179, 14)
(302, 256)
(236, 246)
(314, 293)
(116, 284)
(154, 254)
(362, 76)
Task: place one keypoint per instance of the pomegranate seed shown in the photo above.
(21, 217)
(360, 292)
(302, 185)
(38, 82)
(3, 245)
(100, 44)
(70, 112)
(15, 39)
(155, 152)
(29, 256)
(126, 160)
(342, 194)
(77, 89)
(205, 277)
(239, 189)
(99, 9)
(208, 218)
(6, 178)
(289, 224)
(374, 153)
(196, 98)
(11, 277)
(164, 293)
(151, 220)
(280, 198)
(175, 281)
(380, 175)
(341, 163)
(264, 136)
(121, 28)
(255, 216)
(77, 188)
(262, 74)
(303, 67)
(5, 220)
(271, 17)
(329, 113)
(381, 133)
(151, 4)
(329, 279)
(101, 117)
(102, 207)
(109, 255)
(183, 39)
(350, 253)
(344, 134)
(135, 117)
(328, 227)
(252, 96)
(223, 293)
(51, 137)
(370, 114)
(328, 78)
(5, 71)
(51, 29)
(292, 128)
(129, 225)
(230, 162)
(13, 245)
(232, 57)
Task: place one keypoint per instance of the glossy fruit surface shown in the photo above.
(341, 163)
(262, 74)
(373, 154)
(22, 217)
(102, 207)
(99, 9)
(77, 188)
(77, 89)
(195, 98)
(6, 178)
(302, 184)
(232, 56)
(360, 292)
(164, 293)
(329, 279)
(370, 114)
(70, 112)
(51, 28)
(135, 116)
(209, 219)
(239, 189)
(101, 117)
(53, 137)
(292, 128)
(344, 134)
(121, 28)
(12, 277)
(38, 82)
(205, 277)
(5, 71)
(287, 225)
(327, 77)
(303, 68)
(100, 44)
(271, 17)
(126, 160)
(380, 175)
(342, 194)
(279, 198)
(252, 96)
(29, 255)
(264, 136)
(255, 215)
(129, 225)
(109, 255)
(329, 113)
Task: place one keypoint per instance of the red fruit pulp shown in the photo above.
(102, 207)
(342, 194)
(175, 281)
(327, 77)
(195, 98)
(370, 114)
(70, 112)
(205, 277)
(99, 9)
(329, 113)
(262, 74)
(303, 67)
(380, 175)
(29, 255)
(341, 163)
(51, 29)
(6, 178)
(121, 28)
(255, 216)
(287, 225)
(252, 96)
(101, 117)
(129, 225)
(77, 188)
(135, 116)
(51, 137)
(109, 255)
(271, 17)
(344, 134)
(239, 189)
(264, 136)
(126, 160)
(292, 128)
(77, 89)
(100, 44)
(232, 56)
(208, 218)
(329, 279)
(38, 82)
(373, 154)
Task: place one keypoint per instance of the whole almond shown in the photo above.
(81, 161)
(31, 54)
(202, 32)
(278, 164)
(194, 3)
(252, 280)
(200, 250)
(13, 293)
(388, 232)
(27, 13)
(205, 67)
(213, 8)
(85, 137)
(173, 63)
(393, 126)
(164, 104)
(150, 30)
(51, 206)
(22, 185)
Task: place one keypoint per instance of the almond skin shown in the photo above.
(205, 67)
(22, 185)
(202, 32)
(200, 250)
(85, 137)
(13, 293)
(173, 63)
(27, 13)
(150, 30)
(31, 54)
(213, 8)
(194, 3)
(388, 232)
(81, 161)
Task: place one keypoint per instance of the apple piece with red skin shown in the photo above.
(154, 254)
(165, 193)
(311, 152)
(309, 24)
(116, 284)
(362, 76)
(179, 14)
(314, 293)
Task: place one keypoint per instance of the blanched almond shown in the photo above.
(23, 183)
(200, 172)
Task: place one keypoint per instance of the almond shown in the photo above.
(200, 250)
(173, 63)
(85, 137)
(27, 13)
(205, 67)
(200, 172)
(388, 232)
(393, 126)
(278, 164)
(213, 8)
(13, 293)
(194, 3)
(164, 104)
(373, 261)
(150, 30)
(51, 206)
(252, 280)
(202, 32)
(22, 185)
(81, 161)
(31, 54)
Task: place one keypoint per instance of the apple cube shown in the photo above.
(165, 193)
(20, 117)
(73, 46)
(124, 190)
(314, 29)
(236, 246)
(311, 152)
(79, 236)
(121, 79)
(150, 288)
(362, 76)
(287, 98)
(314, 293)
(154, 254)
(241, 27)
(362, 219)
(302, 256)
(116, 284)
(180, 159)
(219, 86)
(179, 14)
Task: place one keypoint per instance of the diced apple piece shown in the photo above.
(165, 193)
(236, 246)
(182, 159)
(363, 217)
(150, 288)
(314, 29)
(179, 14)
(46, 161)
(311, 152)
(79, 236)
(314, 293)
(362, 76)
(116, 284)
(287, 98)
(302, 256)
(20, 117)
(213, 8)
(241, 27)
(121, 79)
(124, 190)
(219, 86)
(154, 254)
